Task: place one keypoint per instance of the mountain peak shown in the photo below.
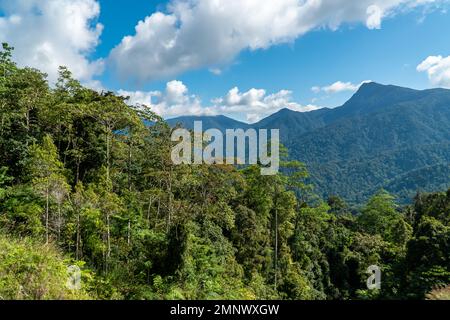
(373, 96)
(374, 88)
(286, 111)
(371, 84)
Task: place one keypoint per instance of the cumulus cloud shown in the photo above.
(50, 33)
(174, 101)
(338, 87)
(257, 104)
(438, 70)
(253, 105)
(193, 34)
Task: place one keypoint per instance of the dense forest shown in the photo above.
(85, 182)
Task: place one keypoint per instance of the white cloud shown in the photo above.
(50, 33)
(257, 104)
(174, 101)
(438, 70)
(193, 34)
(251, 106)
(338, 87)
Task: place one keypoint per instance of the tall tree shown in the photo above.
(47, 176)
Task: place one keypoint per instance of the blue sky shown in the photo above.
(354, 53)
(273, 67)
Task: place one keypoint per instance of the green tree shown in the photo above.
(47, 177)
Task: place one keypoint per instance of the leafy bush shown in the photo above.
(30, 271)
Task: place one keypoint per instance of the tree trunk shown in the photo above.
(77, 251)
(27, 115)
(276, 249)
(129, 165)
(3, 117)
(150, 203)
(78, 171)
(169, 215)
(108, 151)
(129, 232)
(108, 243)
(59, 221)
(47, 195)
(108, 236)
(158, 211)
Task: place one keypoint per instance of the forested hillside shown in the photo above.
(399, 132)
(85, 182)
(382, 136)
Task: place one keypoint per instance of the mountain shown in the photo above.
(384, 136)
(372, 97)
(286, 120)
(217, 122)
(366, 146)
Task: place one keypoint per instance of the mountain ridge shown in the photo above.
(371, 88)
(381, 133)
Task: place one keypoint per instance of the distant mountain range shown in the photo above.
(384, 137)
(217, 122)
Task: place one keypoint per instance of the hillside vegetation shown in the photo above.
(84, 181)
(33, 271)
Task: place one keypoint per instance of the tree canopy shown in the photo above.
(85, 181)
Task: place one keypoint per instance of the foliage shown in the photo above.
(32, 271)
(87, 179)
